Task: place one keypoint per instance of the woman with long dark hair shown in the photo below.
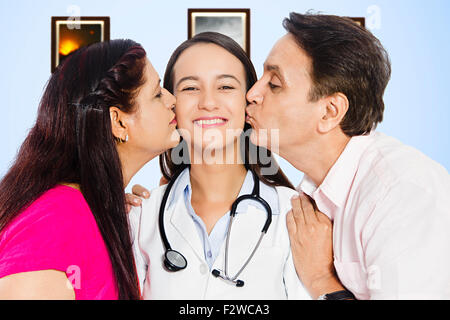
(63, 226)
(188, 250)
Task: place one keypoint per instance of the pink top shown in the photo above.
(58, 231)
(390, 207)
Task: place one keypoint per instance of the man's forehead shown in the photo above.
(286, 54)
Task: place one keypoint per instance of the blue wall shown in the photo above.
(415, 33)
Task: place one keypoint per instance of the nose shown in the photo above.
(255, 95)
(207, 101)
(169, 100)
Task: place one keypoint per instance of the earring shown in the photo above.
(120, 140)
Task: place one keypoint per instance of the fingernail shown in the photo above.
(146, 194)
(136, 201)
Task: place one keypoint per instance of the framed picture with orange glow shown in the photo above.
(72, 33)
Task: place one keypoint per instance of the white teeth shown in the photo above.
(212, 121)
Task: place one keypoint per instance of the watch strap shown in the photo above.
(338, 295)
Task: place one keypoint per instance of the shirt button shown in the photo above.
(203, 269)
(209, 254)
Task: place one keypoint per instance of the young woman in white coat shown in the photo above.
(213, 166)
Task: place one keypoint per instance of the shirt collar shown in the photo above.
(268, 193)
(182, 182)
(337, 183)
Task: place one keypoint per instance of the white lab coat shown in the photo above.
(269, 275)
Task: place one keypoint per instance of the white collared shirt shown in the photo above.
(213, 241)
(390, 207)
(270, 274)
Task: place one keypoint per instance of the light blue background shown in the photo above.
(415, 33)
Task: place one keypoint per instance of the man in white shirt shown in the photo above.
(322, 88)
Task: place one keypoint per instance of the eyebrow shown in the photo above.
(222, 76)
(272, 67)
(184, 79)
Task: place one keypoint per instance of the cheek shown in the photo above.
(300, 124)
(272, 115)
(290, 110)
(236, 107)
(183, 110)
(154, 119)
(183, 121)
(151, 125)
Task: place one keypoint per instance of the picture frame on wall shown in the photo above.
(234, 23)
(71, 33)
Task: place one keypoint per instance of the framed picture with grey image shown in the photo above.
(234, 23)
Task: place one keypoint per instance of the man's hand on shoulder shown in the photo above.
(139, 193)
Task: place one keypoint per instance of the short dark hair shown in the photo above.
(346, 58)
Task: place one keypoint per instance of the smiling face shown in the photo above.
(280, 99)
(210, 87)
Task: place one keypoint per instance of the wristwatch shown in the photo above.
(338, 295)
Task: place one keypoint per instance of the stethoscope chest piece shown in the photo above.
(174, 261)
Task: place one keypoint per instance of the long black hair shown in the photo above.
(250, 153)
(72, 142)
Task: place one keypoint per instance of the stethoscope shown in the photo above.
(175, 261)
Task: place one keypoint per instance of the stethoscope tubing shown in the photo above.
(162, 229)
(254, 196)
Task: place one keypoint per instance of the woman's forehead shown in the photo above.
(207, 59)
